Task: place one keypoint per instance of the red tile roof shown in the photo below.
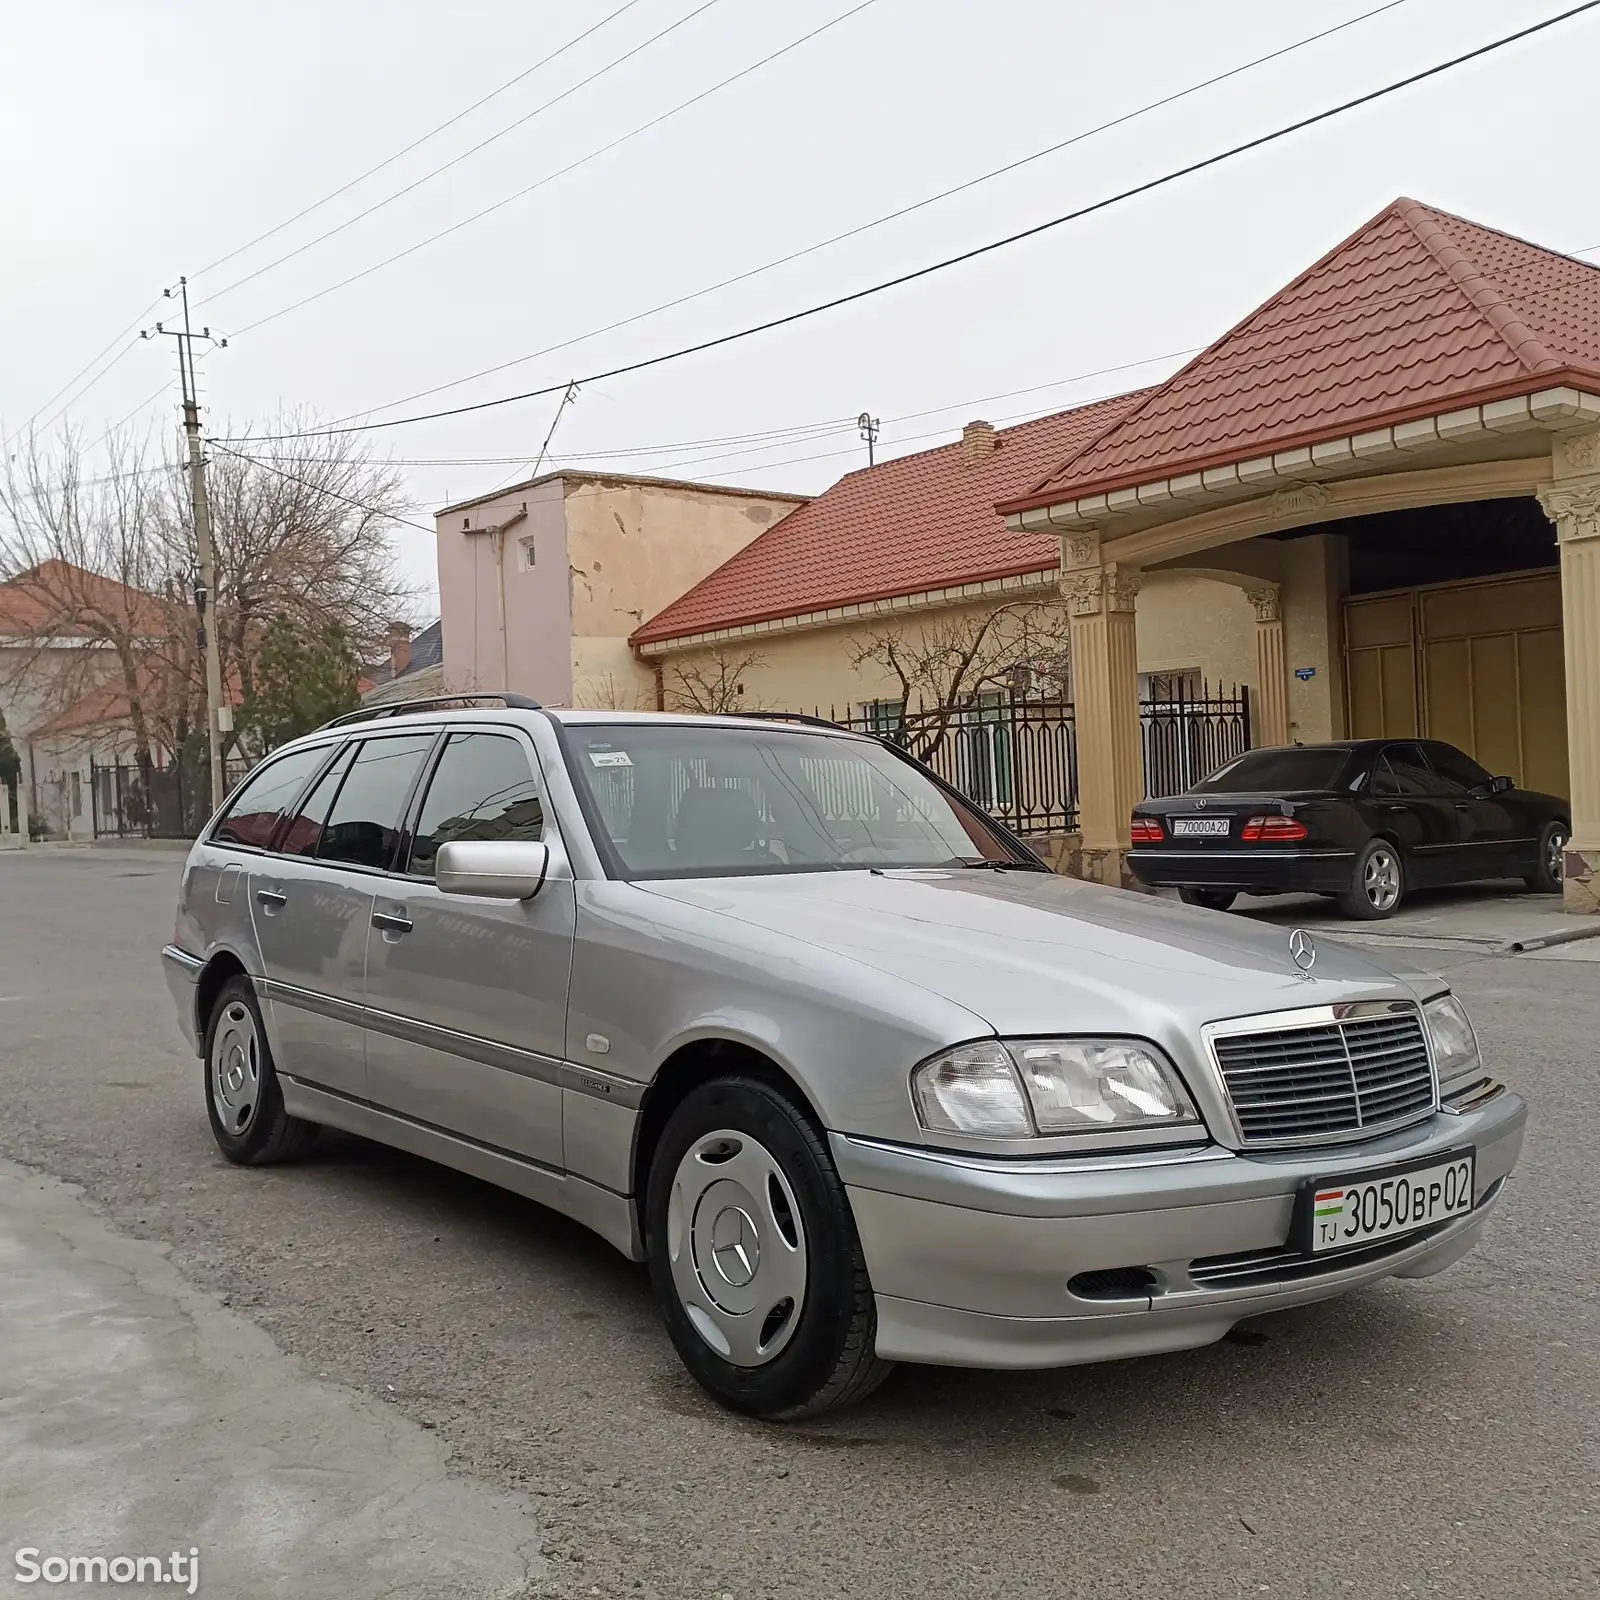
(58, 597)
(1417, 312)
(920, 522)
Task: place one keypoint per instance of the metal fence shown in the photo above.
(175, 803)
(1018, 757)
(1189, 735)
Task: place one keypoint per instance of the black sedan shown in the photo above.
(1365, 820)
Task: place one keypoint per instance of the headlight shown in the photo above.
(1455, 1046)
(972, 1089)
(1013, 1089)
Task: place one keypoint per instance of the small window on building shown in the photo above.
(525, 555)
(882, 716)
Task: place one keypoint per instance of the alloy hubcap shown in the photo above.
(1381, 879)
(1555, 862)
(236, 1068)
(737, 1247)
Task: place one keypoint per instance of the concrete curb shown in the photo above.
(1542, 941)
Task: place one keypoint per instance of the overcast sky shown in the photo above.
(147, 138)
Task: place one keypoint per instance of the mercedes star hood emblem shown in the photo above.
(1302, 950)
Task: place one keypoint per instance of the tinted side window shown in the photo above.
(365, 820)
(1458, 773)
(1402, 771)
(256, 809)
(304, 833)
(483, 788)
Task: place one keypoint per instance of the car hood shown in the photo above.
(1032, 953)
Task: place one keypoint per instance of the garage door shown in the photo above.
(1478, 664)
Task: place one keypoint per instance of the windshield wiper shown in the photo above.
(986, 864)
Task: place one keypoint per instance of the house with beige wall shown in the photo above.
(541, 583)
(914, 548)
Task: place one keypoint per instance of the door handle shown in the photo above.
(272, 897)
(1461, 805)
(391, 921)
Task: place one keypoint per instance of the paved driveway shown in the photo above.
(1424, 1438)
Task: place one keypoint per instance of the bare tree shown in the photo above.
(607, 693)
(93, 602)
(716, 686)
(303, 538)
(941, 666)
(101, 568)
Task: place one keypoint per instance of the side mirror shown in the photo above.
(506, 869)
(1500, 785)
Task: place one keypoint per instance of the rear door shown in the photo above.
(467, 997)
(1405, 802)
(1498, 836)
(313, 900)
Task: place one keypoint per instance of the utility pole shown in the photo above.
(868, 424)
(219, 715)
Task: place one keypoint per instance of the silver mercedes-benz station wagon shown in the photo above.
(768, 1006)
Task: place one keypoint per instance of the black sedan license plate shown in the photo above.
(1342, 1213)
(1200, 827)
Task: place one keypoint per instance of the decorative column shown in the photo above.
(1100, 601)
(1573, 504)
(1269, 711)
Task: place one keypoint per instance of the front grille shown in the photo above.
(1327, 1079)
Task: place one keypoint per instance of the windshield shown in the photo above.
(687, 800)
(1264, 771)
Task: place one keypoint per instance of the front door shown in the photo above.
(1405, 803)
(467, 997)
(1499, 838)
(312, 904)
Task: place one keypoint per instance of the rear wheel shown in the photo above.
(754, 1256)
(243, 1098)
(1552, 860)
(1377, 882)
(1210, 899)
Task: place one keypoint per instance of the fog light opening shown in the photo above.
(1113, 1283)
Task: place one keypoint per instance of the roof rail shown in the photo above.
(801, 717)
(434, 702)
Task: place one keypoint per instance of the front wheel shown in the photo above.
(1546, 879)
(1377, 883)
(1209, 899)
(754, 1256)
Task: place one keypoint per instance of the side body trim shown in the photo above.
(613, 1216)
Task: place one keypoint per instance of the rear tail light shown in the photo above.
(1273, 830)
(1146, 830)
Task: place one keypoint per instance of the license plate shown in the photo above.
(1345, 1212)
(1200, 827)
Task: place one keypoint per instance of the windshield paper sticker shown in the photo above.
(610, 758)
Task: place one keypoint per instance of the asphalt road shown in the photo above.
(1436, 1437)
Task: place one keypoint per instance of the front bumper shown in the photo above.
(970, 1257)
(182, 972)
(1253, 871)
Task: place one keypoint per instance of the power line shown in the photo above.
(888, 217)
(977, 251)
(319, 488)
(449, 122)
(427, 177)
(776, 438)
(111, 345)
(550, 177)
